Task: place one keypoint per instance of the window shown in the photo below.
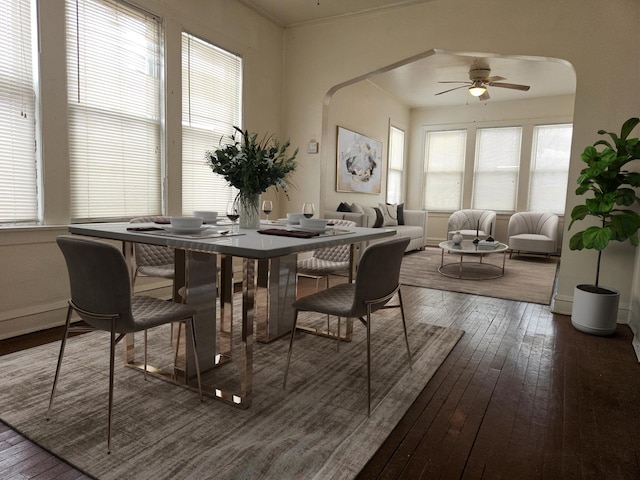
(550, 168)
(396, 165)
(444, 169)
(114, 73)
(211, 107)
(497, 163)
(18, 180)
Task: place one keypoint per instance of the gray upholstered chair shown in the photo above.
(535, 232)
(377, 282)
(327, 261)
(153, 260)
(470, 221)
(101, 296)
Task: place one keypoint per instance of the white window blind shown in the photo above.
(550, 168)
(444, 169)
(496, 168)
(114, 74)
(18, 181)
(396, 165)
(211, 107)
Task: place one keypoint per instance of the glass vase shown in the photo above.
(249, 207)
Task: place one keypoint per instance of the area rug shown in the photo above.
(527, 278)
(316, 428)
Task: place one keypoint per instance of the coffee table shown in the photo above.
(474, 270)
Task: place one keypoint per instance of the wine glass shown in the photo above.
(308, 210)
(232, 213)
(267, 207)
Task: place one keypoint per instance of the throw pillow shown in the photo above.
(344, 207)
(375, 218)
(401, 214)
(390, 214)
(355, 207)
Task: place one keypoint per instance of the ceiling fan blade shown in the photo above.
(513, 86)
(484, 96)
(452, 89)
(457, 81)
(493, 79)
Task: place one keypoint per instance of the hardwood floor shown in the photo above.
(523, 395)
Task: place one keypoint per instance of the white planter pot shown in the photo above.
(595, 309)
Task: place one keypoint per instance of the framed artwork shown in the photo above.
(358, 163)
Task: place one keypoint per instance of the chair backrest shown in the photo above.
(540, 223)
(471, 219)
(379, 270)
(152, 255)
(339, 253)
(99, 281)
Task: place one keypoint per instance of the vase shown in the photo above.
(249, 209)
(456, 238)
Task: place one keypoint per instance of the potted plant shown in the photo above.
(613, 193)
(252, 166)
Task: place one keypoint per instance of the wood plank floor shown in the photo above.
(523, 395)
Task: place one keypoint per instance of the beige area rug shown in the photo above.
(317, 428)
(527, 278)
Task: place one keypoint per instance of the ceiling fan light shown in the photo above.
(477, 89)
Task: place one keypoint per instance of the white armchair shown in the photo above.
(472, 223)
(533, 232)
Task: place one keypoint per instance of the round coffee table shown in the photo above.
(473, 270)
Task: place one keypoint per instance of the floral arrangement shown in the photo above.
(252, 165)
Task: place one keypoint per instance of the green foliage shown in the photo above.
(252, 165)
(613, 190)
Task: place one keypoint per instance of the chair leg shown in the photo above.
(293, 334)
(338, 336)
(177, 349)
(112, 356)
(62, 345)
(195, 356)
(368, 360)
(404, 326)
(145, 354)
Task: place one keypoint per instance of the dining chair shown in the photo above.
(376, 283)
(101, 295)
(153, 260)
(327, 261)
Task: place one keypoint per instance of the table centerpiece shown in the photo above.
(252, 166)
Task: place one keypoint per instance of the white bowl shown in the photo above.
(185, 223)
(294, 218)
(313, 222)
(207, 216)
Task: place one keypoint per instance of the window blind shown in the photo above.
(444, 169)
(18, 168)
(114, 74)
(496, 169)
(550, 168)
(396, 165)
(211, 107)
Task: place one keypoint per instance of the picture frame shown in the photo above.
(358, 163)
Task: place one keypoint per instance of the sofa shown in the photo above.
(414, 222)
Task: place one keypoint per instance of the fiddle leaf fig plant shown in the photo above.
(613, 192)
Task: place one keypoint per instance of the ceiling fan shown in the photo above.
(479, 81)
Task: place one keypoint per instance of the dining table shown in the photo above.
(204, 276)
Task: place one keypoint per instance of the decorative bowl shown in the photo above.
(294, 218)
(186, 223)
(314, 223)
(207, 216)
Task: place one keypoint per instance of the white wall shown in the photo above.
(600, 40)
(364, 108)
(34, 281)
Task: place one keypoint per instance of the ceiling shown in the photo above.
(416, 83)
